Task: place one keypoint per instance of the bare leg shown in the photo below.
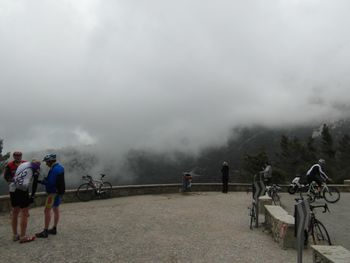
(47, 212)
(56, 213)
(24, 221)
(14, 220)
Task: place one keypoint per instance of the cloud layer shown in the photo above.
(167, 75)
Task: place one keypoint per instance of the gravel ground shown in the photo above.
(198, 227)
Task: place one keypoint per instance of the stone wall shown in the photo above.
(129, 190)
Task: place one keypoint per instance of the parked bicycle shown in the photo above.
(316, 228)
(318, 231)
(93, 188)
(252, 214)
(253, 209)
(272, 191)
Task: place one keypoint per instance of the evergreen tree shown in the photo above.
(284, 155)
(311, 150)
(284, 144)
(253, 164)
(343, 152)
(327, 148)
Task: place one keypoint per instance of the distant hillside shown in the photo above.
(146, 167)
(152, 168)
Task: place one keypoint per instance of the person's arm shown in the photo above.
(35, 184)
(323, 174)
(43, 181)
(7, 174)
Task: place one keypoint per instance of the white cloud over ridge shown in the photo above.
(167, 75)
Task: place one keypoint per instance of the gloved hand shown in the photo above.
(41, 182)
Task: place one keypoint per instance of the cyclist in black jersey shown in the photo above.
(316, 173)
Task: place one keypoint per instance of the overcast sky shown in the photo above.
(167, 74)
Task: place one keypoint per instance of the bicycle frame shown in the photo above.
(314, 221)
(313, 188)
(96, 184)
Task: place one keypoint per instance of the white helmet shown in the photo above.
(321, 162)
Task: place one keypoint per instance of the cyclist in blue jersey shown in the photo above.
(55, 188)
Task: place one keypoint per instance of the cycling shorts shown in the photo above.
(52, 201)
(317, 178)
(20, 199)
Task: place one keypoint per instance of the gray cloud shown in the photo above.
(166, 75)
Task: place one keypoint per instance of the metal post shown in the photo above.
(302, 217)
(299, 232)
(256, 198)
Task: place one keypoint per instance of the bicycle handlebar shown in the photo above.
(274, 186)
(86, 177)
(89, 177)
(324, 206)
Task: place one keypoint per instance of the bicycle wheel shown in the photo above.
(319, 234)
(331, 195)
(106, 190)
(292, 189)
(85, 192)
(276, 199)
(252, 216)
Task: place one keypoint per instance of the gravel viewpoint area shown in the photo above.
(198, 227)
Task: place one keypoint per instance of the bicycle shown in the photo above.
(253, 210)
(318, 231)
(252, 214)
(99, 188)
(272, 191)
(329, 193)
(316, 228)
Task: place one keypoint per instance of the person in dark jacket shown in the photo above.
(225, 177)
(55, 188)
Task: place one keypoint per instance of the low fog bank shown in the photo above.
(155, 166)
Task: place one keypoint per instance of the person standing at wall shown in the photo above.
(55, 188)
(21, 199)
(267, 173)
(11, 167)
(225, 177)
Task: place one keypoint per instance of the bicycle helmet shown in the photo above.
(50, 157)
(321, 162)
